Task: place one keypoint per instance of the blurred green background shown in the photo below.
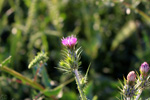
(114, 35)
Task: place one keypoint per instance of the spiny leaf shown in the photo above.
(67, 72)
(124, 80)
(78, 53)
(95, 98)
(6, 61)
(64, 53)
(120, 83)
(78, 50)
(79, 63)
(148, 77)
(52, 92)
(120, 88)
(137, 74)
(122, 93)
(117, 98)
(88, 88)
(70, 60)
(85, 77)
(40, 57)
(64, 64)
(64, 69)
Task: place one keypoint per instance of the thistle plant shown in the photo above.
(135, 84)
(71, 63)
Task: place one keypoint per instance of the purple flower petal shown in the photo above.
(69, 41)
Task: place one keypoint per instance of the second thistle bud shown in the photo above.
(144, 69)
(131, 77)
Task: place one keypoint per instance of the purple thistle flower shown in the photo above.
(131, 77)
(144, 69)
(69, 41)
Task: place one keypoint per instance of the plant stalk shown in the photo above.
(83, 97)
(128, 98)
(36, 74)
(25, 80)
(139, 93)
(21, 77)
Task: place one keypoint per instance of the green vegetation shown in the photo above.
(114, 36)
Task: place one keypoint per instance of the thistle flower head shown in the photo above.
(144, 69)
(131, 77)
(69, 41)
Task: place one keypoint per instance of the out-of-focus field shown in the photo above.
(114, 35)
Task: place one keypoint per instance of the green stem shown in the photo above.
(21, 77)
(83, 97)
(25, 80)
(36, 74)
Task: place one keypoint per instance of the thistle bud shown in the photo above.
(69, 41)
(131, 77)
(144, 69)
